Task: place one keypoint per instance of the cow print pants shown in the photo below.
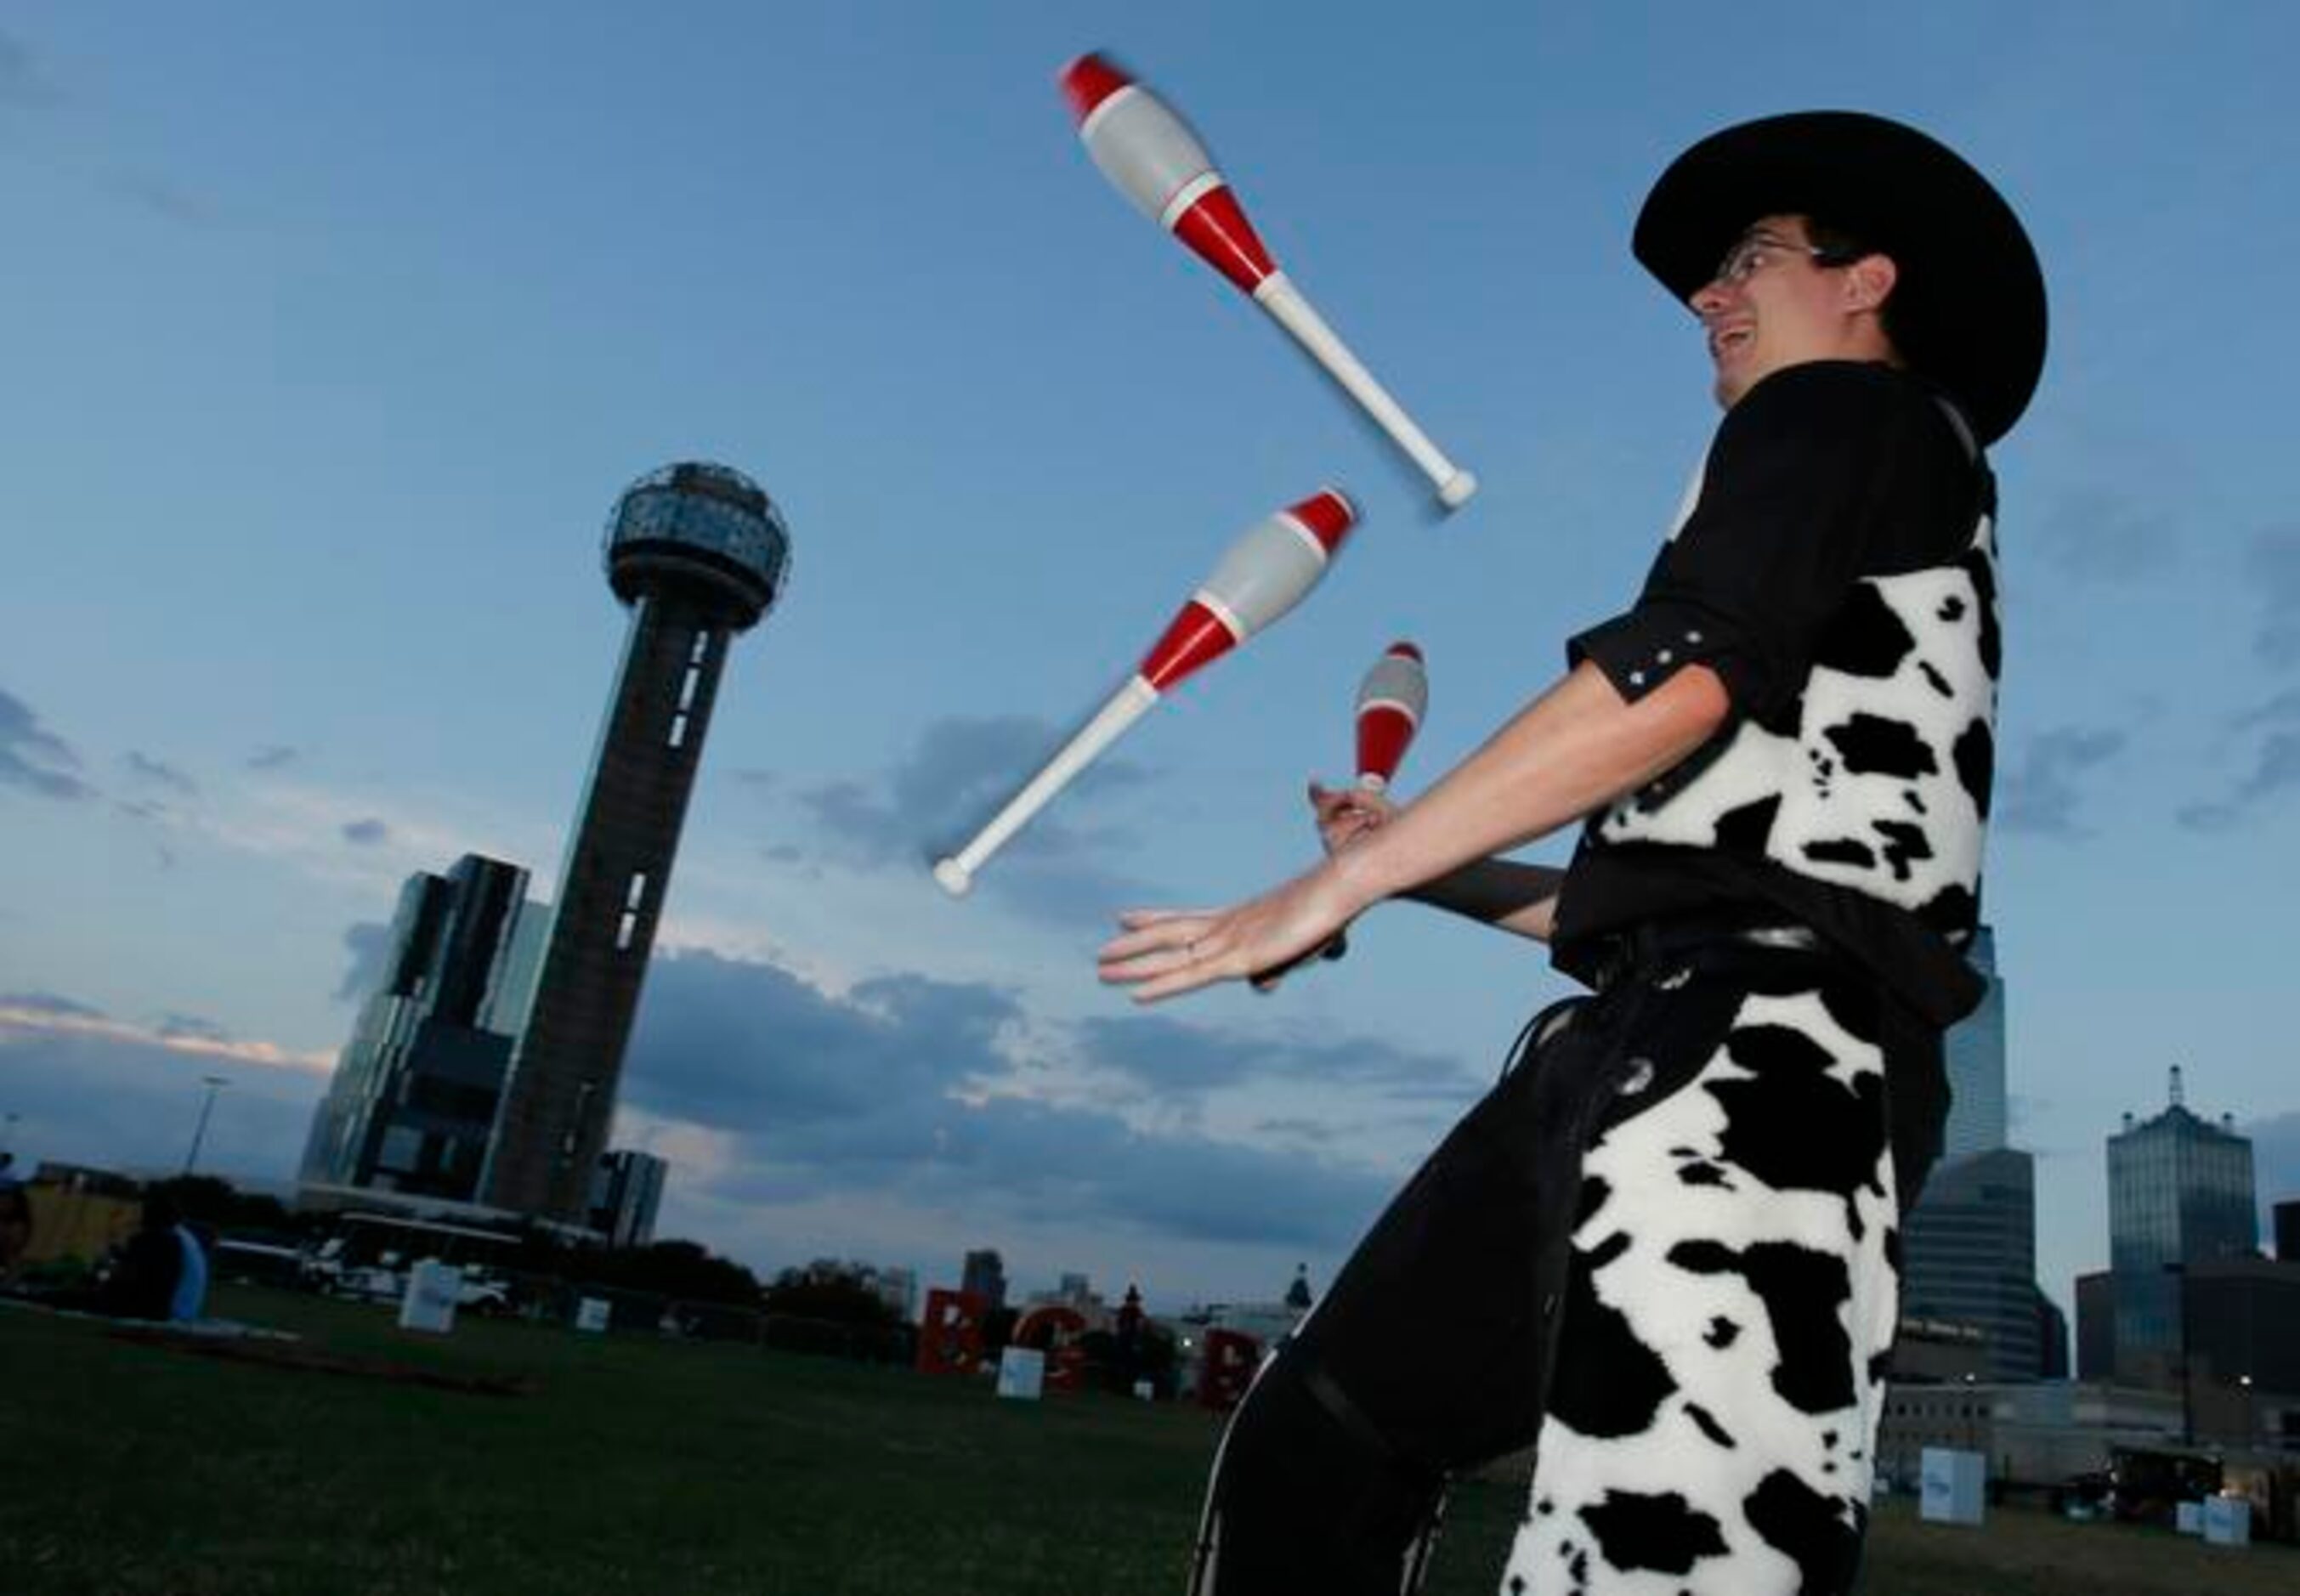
(1664, 1251)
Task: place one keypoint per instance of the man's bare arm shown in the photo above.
(1576, 747)
(1504, 894)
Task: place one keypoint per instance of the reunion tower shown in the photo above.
(699, 553)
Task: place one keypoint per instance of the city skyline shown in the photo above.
(318, 411)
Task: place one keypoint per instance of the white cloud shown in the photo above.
(174, 1033)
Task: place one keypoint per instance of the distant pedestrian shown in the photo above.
(190, 1299)
(151, 1273)
(15, 1219)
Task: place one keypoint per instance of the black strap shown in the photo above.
(1353, 1419)
(1985, 497)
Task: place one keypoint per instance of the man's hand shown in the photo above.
(1345, 815)
(1164, 953)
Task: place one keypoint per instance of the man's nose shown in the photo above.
(1710, 299)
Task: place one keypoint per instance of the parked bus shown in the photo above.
(369, 1258)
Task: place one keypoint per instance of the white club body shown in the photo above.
(1152, 156)
(1392, 699)
(1263, 574)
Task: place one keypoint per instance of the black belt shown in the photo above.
(1619, 953)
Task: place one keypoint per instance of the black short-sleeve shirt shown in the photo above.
(1820, 474)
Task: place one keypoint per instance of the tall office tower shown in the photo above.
(698, 553)
(984, 1273)
(415, 1089)
(1969, 1257)
(2287, 1232)
(2096, 1326)
(1969, 1243)
(1975, 1050)
(2053, 1338)
(626, 1191)
(2179, 1193)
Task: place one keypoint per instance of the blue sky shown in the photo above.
(332, 335)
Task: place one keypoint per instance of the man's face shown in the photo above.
(1773, 305)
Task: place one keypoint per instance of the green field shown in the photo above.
(633, 1465)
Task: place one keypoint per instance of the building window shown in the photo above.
(403, 1147)
(625, 929)
(678, 729)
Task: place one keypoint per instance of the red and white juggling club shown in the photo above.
(1265, 573)
(1150, 153)
(1393, 696)
(1392, 699)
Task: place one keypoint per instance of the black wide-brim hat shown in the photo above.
(1969, 304)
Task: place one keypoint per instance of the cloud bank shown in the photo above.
(33, 758)
(2040, 792)
(1057, 869)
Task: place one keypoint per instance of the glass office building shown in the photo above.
(415, 1091)
(1975, 1052)
(626, 1191)
(2179, 1193)
(1969, 1255)
(1970, 1258)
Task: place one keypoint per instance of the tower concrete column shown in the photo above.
(700, 553)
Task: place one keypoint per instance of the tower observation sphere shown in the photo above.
(699, 553)
(705, 529)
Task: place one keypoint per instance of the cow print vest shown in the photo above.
(1875, 777)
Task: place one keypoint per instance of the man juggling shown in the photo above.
(1663, 1249)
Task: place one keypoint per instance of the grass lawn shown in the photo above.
(628, 1465)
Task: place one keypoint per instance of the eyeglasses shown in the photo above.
(1754, 252)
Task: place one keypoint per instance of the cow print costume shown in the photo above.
(1729, 1312)
(1664, 1250)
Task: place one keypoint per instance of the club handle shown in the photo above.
(1267, 980)
(956, 873)
(1286, 306)
(1337, 945)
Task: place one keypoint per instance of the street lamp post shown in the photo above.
(214, 1083)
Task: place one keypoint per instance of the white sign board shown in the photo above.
(1021, 1373)
(433, 1289)
(2228, 1521)
(592, 1313)
(2189, 1518)
(1954, 1483)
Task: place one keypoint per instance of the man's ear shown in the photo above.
(1868, 282)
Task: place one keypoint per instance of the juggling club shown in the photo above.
(1393, 695)
(1149, 153)
(1264, 573)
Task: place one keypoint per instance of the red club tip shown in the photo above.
(1327, 515)
(1089, 80)
(1408, 650)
